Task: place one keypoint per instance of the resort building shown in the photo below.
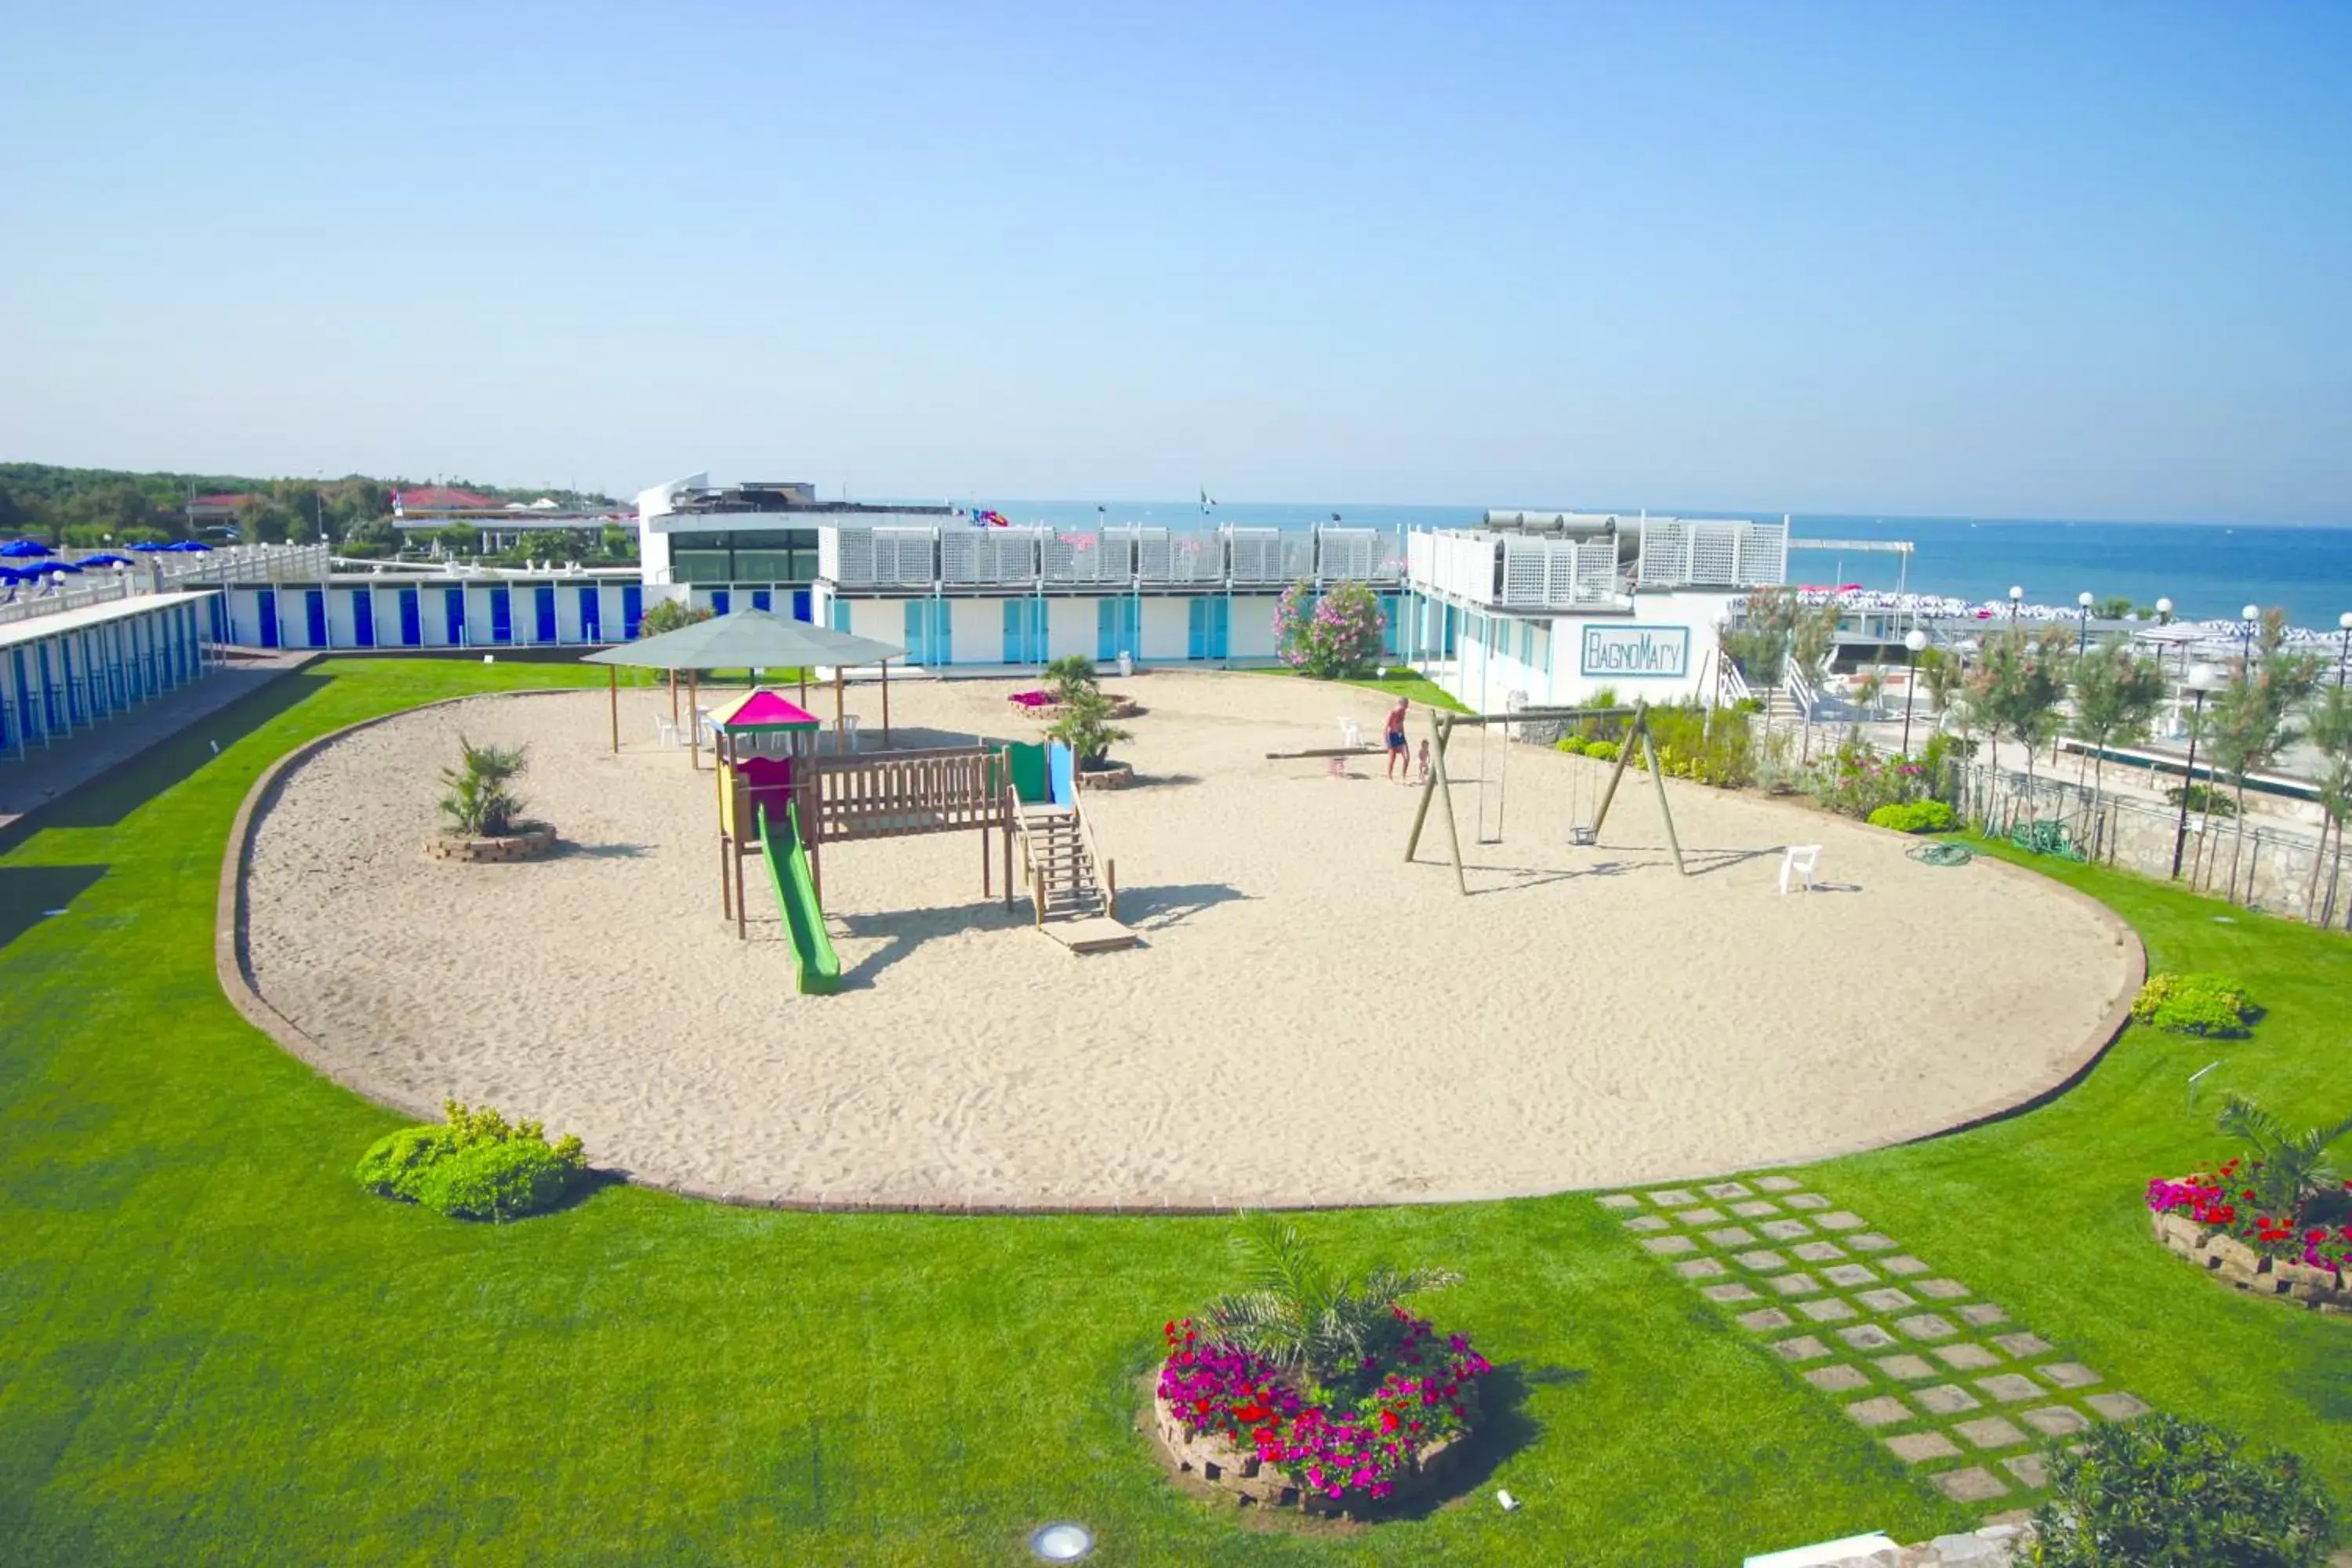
(72, 657)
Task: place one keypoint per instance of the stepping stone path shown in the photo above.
(1938, 1376)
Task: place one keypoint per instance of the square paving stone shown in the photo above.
(1903, 1265)
(1917, 1448)
(1762, 1262)
(2117, 1406)
(1906, 1367)
(1778, 1183)
(1621, 1201)
(2022, 1346)
(1838, 1379)
(1828, 1310)
(1728, 1293)
(1729, 1190)
(1673, 1197)
(1945, 1399)
(2010, 1387)
(1769, 1318)
(2056, 1421)
(1700, 1268)
(1884, 1411)
(1649, 1222)
(1785, 1229)
(1796, 1284)
(1839, 1220)
(1701, 1216)
(1885, 1301)
(1983, 1314)
(1966, 1358)
(1804, 1347)
(1755, 1208)
(1941, 1289)
(1730, 1236)
(1849, 1274)
(2068, 1373)
(1926, 1326)
(2031, 1472)
(1866, 1337)
(1975, 1484)
(1806, 1201)
(1667, 1246)
(1819, 1251)
(1871, 1241)
(1989, 1432)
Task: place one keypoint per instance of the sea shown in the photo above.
(2209, 570)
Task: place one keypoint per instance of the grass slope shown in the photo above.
(213, 1348)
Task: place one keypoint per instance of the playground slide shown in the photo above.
(814, 960)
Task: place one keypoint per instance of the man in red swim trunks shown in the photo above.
(1393, 736)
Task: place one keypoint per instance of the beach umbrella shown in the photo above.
(191, 547)
(148, 544)
(22, 549)
(103, 559)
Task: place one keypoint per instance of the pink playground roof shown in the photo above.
(762, 709)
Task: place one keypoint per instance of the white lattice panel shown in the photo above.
(1257, 555)
(1763, 554)
(1666, 554)
(846, 555)
(1715, 552)
(1351, 552)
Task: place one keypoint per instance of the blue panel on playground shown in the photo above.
(1060, 763)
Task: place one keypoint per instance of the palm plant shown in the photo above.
(1315, 1321)
(2289, 1169)
(1086, 728)
(478, 804)
(1071, 678)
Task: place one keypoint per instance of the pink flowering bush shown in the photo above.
(1415, 1390)
(1338, 635)
(2223, 1200)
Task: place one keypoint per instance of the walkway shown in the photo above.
(1880, 1332)
(43, 773)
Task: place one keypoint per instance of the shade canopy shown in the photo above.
(748, 639)
(762, 710)
(22, 549)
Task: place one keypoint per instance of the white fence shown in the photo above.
(1123, 556)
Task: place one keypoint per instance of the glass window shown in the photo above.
(701, 566)
(764, 566)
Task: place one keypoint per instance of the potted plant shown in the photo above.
(1315, 1386)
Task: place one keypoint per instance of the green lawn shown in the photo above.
(1420, 688)
(213, 1348)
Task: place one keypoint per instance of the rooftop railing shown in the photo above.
(1125, 556)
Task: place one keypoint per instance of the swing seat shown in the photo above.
(1583, 837)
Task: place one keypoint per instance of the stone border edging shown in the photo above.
(525, 845)
(231, 961)
(1215, 1461)
(2229, 1261)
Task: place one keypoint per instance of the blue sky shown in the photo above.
(2086, 261)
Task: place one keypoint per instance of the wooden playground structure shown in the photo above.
(1438, 786)
(1018, 792)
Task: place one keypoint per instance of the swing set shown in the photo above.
(1438, 786)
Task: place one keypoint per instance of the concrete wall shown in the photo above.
(976, 631)
(1167, 629)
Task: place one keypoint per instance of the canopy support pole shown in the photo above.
(887, 743)
(694, 728)
(840, 727)
(613, 686)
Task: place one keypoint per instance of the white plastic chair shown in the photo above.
(849, 726)
(1798, 860)
(665, 734)
(1350, 732)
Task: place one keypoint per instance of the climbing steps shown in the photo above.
(1075, 900)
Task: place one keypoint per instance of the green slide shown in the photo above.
(813, 960)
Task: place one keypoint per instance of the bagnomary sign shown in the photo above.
(1662, 651)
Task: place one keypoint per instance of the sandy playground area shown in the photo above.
(1310, 1019)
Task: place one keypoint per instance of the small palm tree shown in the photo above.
(1071, 678)
(480, 805)
(1316, 1323)
(2294, 1168)
(1086, 728)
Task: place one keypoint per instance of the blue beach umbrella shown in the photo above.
(22, 549)
(190, 547)
(149, 545)
(103, 561)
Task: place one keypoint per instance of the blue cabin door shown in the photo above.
(542, 612)
(314, 616)
(501, 616)
(592, 615)
(719, 601)
(363, 616)
(761, 599)
(800, 610)
(1208, 628)
(412, 619)
(1116, 622)
(632, 610)
(266, 606)
(453, 609)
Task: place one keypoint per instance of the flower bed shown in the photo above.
(2212, 1220)
(1040, 705)
(1238, 1424)
(1113, 776)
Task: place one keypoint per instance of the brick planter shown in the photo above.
(528, 846)
(2235, 1264)
(1211, 1459)
(1119, 775)
(1047, 713)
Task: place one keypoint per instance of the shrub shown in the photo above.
(2164, 1492)
(2210, 1004)
(480, 805)
(1854, 780)
(1339, 635)
(1915, 816)
(474, 1165)
(2207, 800)
(669, 615)
(1574, 745)
(1602, 751)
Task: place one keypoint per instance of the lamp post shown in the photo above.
(2016, 599)
(2344, 624)
(2202, 679)
(2083, 639)
(2251, 619)
(2164, 612)
(1914, 641)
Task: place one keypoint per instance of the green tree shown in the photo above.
(2113, 607)
(458, 539)
(549, 545)
(2015, 687)
(2116, 694)
(261, 521)
(2251, 722)
(2330, 731)
(1940, 678)
(668, 615)
(1759, 644)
